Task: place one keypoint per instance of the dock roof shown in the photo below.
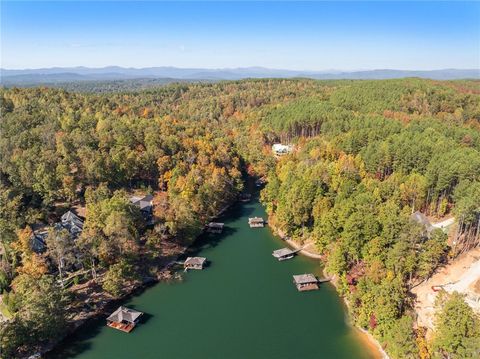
(305, 278)
(124, 314)
(195, 260)
(255, 219)
(283, 252)
(216, 225)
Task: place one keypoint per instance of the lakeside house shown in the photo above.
(68, 221)
(283, 254)
(195, 263)
(145, 204)
(38, 239)
(256, 222)
(305, 282)
(124, 319)
(215, 227)
(72, 223)
(279, 149)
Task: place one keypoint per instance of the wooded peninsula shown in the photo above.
(100, 191)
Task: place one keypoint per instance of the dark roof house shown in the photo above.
(38, 237)
(72, 223)
(145, 203)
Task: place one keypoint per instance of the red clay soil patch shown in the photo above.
(476, 287)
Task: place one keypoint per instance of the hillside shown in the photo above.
(62, 76)
(366, 155)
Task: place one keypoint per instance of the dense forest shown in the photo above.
(367, 154)
(97, 86)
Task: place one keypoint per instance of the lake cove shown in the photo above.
(244, 305)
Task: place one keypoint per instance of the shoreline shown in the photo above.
(108, 302)
(368, 339)
(162, 273)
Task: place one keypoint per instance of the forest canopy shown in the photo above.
(367, 154)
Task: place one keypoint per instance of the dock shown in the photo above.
(245, 197)
(124, 319)
(256, 222)
(215, 227)
(305, 282)
(284, 253)
(195, 263)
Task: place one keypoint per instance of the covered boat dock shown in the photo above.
(195, 263)
(256, 222)
(305, 282)
(124, 319)
(215, 227)
(284, 253)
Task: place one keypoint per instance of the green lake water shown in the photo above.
(244, 305)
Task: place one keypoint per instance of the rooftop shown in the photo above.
(72, 222)
(282, 252)
(124, 314)
(144, 202)
(305, 278)
(195, 260)
(255, 219)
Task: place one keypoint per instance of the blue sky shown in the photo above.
(287, 35)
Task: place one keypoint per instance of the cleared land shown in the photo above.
(461, 275)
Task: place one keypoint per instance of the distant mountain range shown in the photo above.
(113, 73)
